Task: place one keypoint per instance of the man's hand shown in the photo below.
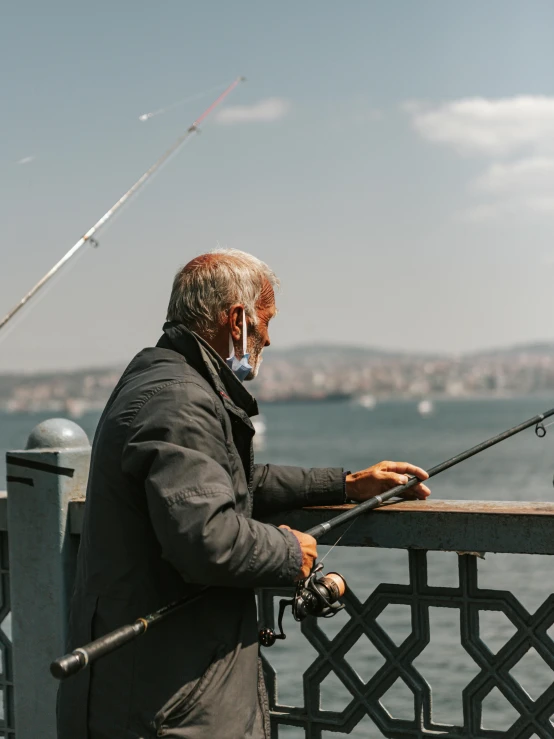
(308, 545)
(382, 477)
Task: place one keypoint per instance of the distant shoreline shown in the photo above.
(350, 399)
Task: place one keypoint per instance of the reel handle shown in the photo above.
(267, 637)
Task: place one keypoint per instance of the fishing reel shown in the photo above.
(313, 596)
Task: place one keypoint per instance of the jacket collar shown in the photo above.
(207, 361)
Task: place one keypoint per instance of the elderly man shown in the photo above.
(173, 503)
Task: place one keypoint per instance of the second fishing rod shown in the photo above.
(377, 500)
(314, 596)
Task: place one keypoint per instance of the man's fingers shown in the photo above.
(419, 491)
(408, 469)
(393, 479)
(382, 477)
(308, 547)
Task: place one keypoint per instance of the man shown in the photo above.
(173, 503)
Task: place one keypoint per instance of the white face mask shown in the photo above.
(240, 367)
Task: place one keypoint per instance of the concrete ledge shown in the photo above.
(452, 526)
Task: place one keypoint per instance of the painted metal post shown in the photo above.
(42, 480)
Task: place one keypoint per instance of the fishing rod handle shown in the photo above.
(72, 663)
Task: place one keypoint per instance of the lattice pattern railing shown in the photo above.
(7, 728)
(493, 669)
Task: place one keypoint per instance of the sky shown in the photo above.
(392, 161)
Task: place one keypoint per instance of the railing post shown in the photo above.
(42, 480)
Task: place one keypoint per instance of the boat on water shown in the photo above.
(425, 407)
(366, 401)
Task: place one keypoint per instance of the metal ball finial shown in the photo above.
(57, 433)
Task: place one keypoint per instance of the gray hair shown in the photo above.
(205, 288)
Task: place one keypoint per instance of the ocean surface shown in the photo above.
(344, 434)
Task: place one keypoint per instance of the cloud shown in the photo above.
(529, 175)
(496, 127)
(515, 136)
(268, 110)
(482, 212)
(509, 208)
(541, 203)
(26, 160)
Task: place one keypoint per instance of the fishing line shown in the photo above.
(322, 560)
(189, 99)
(355, 520)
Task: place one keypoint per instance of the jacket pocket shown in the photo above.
(187, 697)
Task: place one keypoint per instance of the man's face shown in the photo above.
(258, 336)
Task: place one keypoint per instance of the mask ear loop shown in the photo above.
(231, 347)
(243, 333)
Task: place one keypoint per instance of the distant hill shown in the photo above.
(545, 349)
(319, 351)
(334, 351)
(306, 355)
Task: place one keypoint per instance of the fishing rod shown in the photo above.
(89, 235)
(313, 596)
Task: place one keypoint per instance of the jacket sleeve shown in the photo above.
(279, 488)
(176, 449)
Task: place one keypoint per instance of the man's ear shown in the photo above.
(235, 321)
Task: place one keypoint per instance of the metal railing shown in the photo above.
(470, 529)
(44, 512)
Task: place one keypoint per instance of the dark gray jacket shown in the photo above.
(172, 503)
